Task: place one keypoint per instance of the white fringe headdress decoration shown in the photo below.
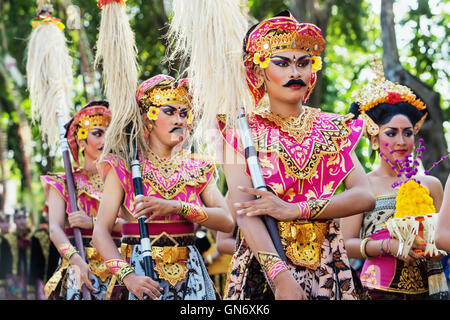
(49, 77)
(216, 70)
(117, 51)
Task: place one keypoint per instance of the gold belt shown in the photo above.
(96, 264)
(303, 242)
(170, 262)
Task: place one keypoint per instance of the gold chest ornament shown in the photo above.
(303, 242)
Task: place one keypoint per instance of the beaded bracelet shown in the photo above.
(67, 251)
(192, 212)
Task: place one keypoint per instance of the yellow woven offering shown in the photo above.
(413, 199)
(414, 220)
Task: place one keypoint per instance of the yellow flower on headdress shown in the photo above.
(316, 63)
(262, 61)
(189, 117)
(82, 134)
(152, 113)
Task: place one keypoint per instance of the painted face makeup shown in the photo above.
(287, 76)
(171, 125)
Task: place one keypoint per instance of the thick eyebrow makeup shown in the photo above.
(289, 60)
(393, 128)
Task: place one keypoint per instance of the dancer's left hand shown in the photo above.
(267, 204)
(79, 219)
(155, 207)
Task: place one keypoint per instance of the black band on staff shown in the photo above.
(250, 152)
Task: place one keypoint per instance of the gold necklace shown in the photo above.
(166, 166)
(296, 127)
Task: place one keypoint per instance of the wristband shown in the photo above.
(317, 207)
(119, 268)
(311, 209)
(271, 264)
(276, 269)
(303, 209)
(192, 212)
(67, 251)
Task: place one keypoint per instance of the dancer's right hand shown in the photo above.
(286, 288)
(139, 285)
(82, 272)
(412, 254)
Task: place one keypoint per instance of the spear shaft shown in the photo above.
(72, 194)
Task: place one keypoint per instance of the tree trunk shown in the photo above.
(432, 131)
(4, 173)
(311, 12)
(91, 91)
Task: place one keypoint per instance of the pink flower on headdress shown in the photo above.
(262, 61)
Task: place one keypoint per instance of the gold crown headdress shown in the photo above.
(88, 122)
(272, 43)
(162, 96)
(278, 34)
(161, 90)
(380, 90)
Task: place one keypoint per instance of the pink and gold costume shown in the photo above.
(89, 188)
(301, 159)
(384, 273)
(89, 192)
(178, 264)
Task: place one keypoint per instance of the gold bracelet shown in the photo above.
(124, 271)
(316, 207)
(192, 212)
(362, 247)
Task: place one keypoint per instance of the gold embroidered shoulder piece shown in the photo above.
(307, 138)
(169, 178)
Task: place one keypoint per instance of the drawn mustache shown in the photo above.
(292, 81)
(176, 128)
